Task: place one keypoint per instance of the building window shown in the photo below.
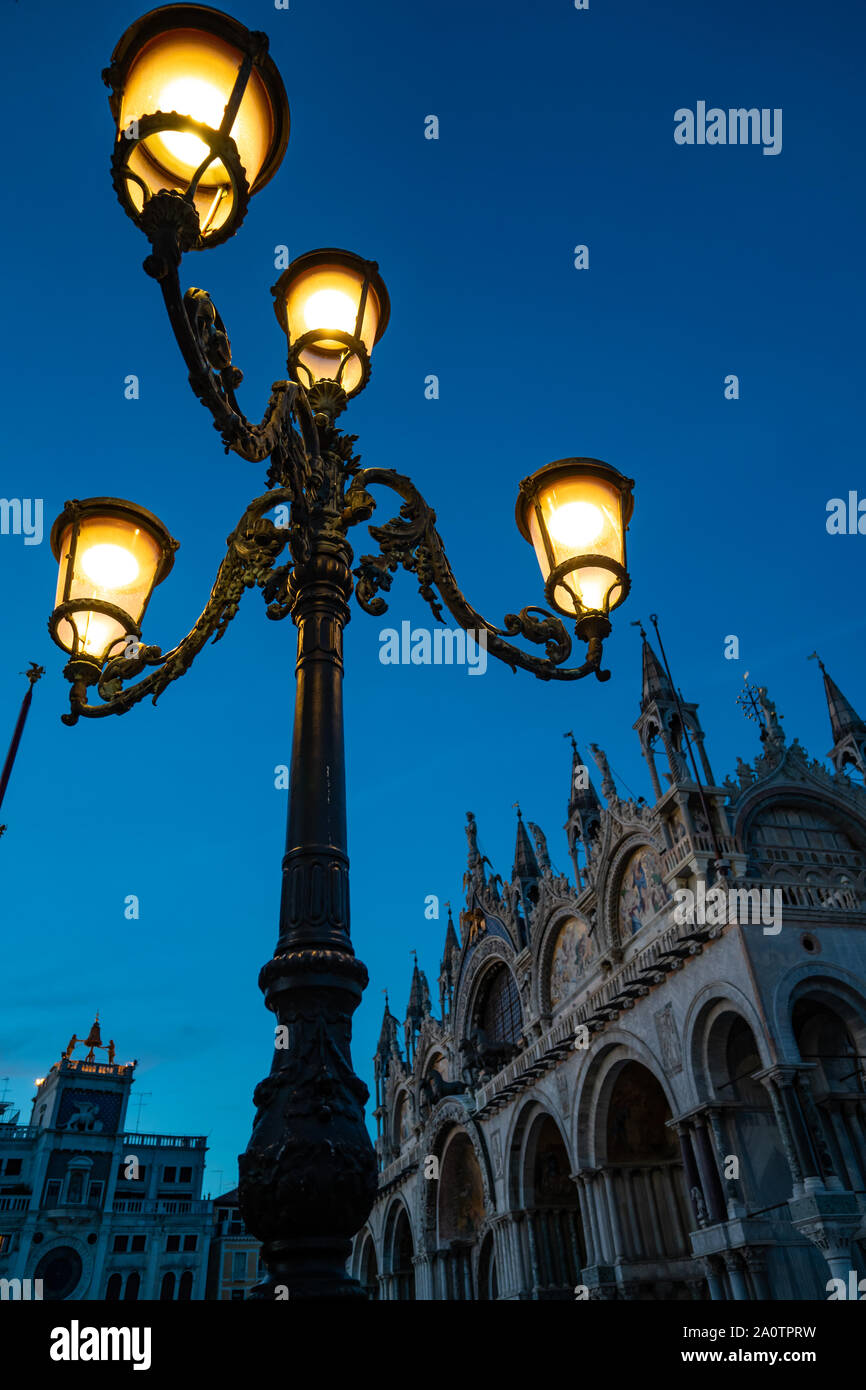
(75, 1187)
(172, 1243)
(130, 1293)
(112, 1292)
(169, 1175)
(184, 1292)
(94, 1194)
(190, 1242)
(52, 1193)
(166, 1292)
(13, 1167)
(138, 1243)
(185, 1175)
(239, 1265)
(120, 1245)
(501, 1015)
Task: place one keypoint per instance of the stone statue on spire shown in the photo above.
(608, 786)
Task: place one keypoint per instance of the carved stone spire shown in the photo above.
(664, 717)
(848, 729)
(525, 864)
(448, 966)
(655, 684)
(584, 811)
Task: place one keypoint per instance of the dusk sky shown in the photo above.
(556, 129)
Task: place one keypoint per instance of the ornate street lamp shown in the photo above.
(308, 1177)
(201, 112)
(112, 554)
(332, 307)
(576, 514)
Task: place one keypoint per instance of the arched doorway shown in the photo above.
(488, 1283)
(552, 1237)
(398, 1250)
(830, 1037)
(368, 1268)
(402, 1267)
(647, 1210)
(459, 1217)
(747, 1120)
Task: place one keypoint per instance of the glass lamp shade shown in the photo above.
(576, 512)
(111, 555)
(173, 75)
(333, 306)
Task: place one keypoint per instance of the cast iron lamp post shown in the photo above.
(202, 121)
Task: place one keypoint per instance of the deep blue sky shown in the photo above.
(556, 128)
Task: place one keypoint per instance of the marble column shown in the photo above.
(735, 1274)
(734, 1204)
(690, 1168)
(755, 1257)
(709, 1173)
(714, 1282)
(613, 1215)
(653, 1210)
(588, 1237)
(785, 1135)
(533, 1254)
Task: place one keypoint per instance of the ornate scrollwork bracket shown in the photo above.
(411, 540)
(253, 548)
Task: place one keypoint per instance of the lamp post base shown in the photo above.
(308, 1176)
(307, 1269)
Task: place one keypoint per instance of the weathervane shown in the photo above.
(749, 702)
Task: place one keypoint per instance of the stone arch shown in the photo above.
(612, 888)
(492, 950)
(546, 953)
(445, 1118)
(398, 1253)
(400, 1119)
(455, 1255)
(830, 1033)
(782, 797)
(632, 1166)
(811, 975)
(739, 1150)
(488, 1275)
(618, 1045)
(550, 1240)
(366, 1265)
(710, 1000)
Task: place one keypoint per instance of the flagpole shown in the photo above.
(33, 674)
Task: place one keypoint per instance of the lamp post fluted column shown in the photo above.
(308, 1177)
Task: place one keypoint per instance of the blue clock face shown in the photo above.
(89, 1112)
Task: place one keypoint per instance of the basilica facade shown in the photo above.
(645, 1079)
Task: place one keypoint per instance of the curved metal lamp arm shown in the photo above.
(253, 547)
(171, 224)
(411, 540)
